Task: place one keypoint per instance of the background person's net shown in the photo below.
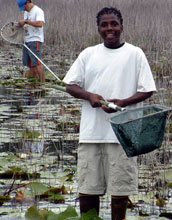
(12, 33)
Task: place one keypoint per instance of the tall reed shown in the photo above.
(147, 23)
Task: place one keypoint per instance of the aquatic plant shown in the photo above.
(70, 213)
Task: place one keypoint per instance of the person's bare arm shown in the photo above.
(138, 97)
(78, 92)
(33, 23)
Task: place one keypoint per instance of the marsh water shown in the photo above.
(39, 129)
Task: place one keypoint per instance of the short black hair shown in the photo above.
(110, 10)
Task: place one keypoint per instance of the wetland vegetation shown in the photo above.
(39, 125)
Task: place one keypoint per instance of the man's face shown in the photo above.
(26, 6)
(110, 30)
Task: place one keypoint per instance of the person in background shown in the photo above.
(117, 72)
(34, 37)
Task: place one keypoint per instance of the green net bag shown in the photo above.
(140, 130)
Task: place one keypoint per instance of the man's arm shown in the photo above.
(78, 92)
(136, 98)
(94, 99)
(33, 23)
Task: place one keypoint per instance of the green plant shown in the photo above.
(70, 213)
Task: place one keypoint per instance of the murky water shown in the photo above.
(39, 126)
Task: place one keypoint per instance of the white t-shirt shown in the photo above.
(34, 33)
(112, 73)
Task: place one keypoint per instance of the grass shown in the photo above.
(72, 23)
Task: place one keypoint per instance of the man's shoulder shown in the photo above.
(38, 13)
(135, 51)
(93, 49)
(37, 8)
(132, 47)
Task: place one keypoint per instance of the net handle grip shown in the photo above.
(109, 104)
(112, 106)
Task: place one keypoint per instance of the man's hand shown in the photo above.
(94, 100)
(78, 92)
(21, 23)
(136, 98)
(117, 102)
(37, 24)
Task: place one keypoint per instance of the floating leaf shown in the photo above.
(160, 202)
(19, 174)
(166, 215)
(3, 213)
(56, 199)
(37, 188)
(33, 214)
(67, 214)
(4, 199)
(90, 215)
(142, 213)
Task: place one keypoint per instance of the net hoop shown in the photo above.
(140, 130)
(13, 33)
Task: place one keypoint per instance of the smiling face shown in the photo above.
(110, 29)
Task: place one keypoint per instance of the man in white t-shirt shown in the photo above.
(34, 37)
(117, 72)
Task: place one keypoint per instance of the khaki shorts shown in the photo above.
(106, 168)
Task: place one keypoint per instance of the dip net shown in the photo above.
(13, 33)
(140, 130)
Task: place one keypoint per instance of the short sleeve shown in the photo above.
(40, 16)
(146, 81)
(76, 73)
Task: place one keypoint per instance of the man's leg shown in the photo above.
(119, 207)
(91, 179)
(38, 72)
(121, 175)
(36, 68)
(88, 202)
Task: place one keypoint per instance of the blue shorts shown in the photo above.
(29, 59)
